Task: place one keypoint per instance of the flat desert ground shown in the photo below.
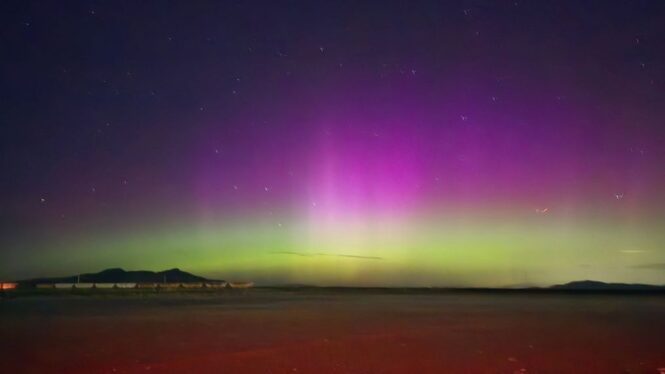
(270, 331)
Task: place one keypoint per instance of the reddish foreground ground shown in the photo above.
(281, 332)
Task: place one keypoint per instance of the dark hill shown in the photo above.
(117, 275)
(589, 285)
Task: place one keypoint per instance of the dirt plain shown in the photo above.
(277, 331)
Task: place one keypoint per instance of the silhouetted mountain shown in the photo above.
(117, 275)
(589, 285)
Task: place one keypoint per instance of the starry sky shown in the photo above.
(420, 143)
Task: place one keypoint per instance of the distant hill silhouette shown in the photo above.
(590, 285)
(118, 275)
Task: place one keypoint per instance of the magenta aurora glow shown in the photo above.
(455, 153)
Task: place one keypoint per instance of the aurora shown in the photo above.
(444, 153)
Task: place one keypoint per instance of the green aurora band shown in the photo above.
(460, 249)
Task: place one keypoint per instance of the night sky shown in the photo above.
(335, 143)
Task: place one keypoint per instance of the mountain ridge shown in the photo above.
(591, 285)
(119, 275)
